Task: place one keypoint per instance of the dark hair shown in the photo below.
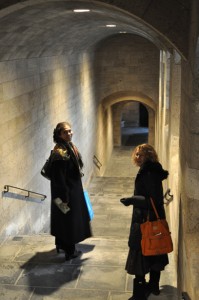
(57, 131)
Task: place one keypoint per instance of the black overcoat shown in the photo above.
(148, 183)
(73, 227)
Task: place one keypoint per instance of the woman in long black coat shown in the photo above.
(70, 221)
(148, 183)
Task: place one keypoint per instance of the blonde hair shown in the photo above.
(147, 151)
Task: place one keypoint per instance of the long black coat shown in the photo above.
(66, 184)
(148, 183)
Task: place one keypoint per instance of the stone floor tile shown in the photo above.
(38, 253)
(105, 244)
(163, 297)
(109, 232)
(69, 294)
(102, 278)
(119, 296)
(30, 239)
(104, 257)
(9, 272)
(10, 292)
(8, 252)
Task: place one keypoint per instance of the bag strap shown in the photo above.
(154, 208)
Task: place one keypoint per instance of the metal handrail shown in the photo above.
(97, 162)
(6, 190)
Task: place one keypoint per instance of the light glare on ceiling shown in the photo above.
(111, 25)
(81, 10)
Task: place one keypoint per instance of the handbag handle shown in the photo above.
(154, 208)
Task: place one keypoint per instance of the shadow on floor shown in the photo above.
(48, 271)
(166, 292)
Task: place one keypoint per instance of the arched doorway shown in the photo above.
(134, 124)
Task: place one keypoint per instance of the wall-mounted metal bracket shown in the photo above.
(97, 162)
(185, 296)
(168, 197)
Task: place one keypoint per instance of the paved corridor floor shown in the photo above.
(30, 268)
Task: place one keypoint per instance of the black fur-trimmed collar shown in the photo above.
(154, 167)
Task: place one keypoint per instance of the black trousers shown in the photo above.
(154, 278)
(69, 249)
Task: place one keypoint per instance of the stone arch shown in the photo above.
(121, 98)
(127, 95)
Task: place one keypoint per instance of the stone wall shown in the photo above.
(130, 114)
(127, 63)
(104, 138)
(132, 68)
(189, 239)
(36, 94)
(173, 147)
(189, 166)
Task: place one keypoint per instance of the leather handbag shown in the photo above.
(156, 237)
(46, 169)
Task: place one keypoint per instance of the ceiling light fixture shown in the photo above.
(81, 10)
(111, 25)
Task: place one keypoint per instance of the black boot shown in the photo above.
(139, 291)
(153, 285)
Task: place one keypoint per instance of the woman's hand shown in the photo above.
(138, 201)
(126, 201)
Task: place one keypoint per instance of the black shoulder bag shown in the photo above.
(46, 169)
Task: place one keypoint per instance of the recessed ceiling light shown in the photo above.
(81, 10)
(122, 32)
(111, 25)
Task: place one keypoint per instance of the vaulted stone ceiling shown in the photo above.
(40, 27)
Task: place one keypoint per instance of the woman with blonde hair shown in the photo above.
(148, 183)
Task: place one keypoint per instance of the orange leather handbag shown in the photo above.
(156, 237)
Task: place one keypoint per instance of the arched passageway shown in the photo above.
(58, 64)
(117, 103)
(134, 124)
